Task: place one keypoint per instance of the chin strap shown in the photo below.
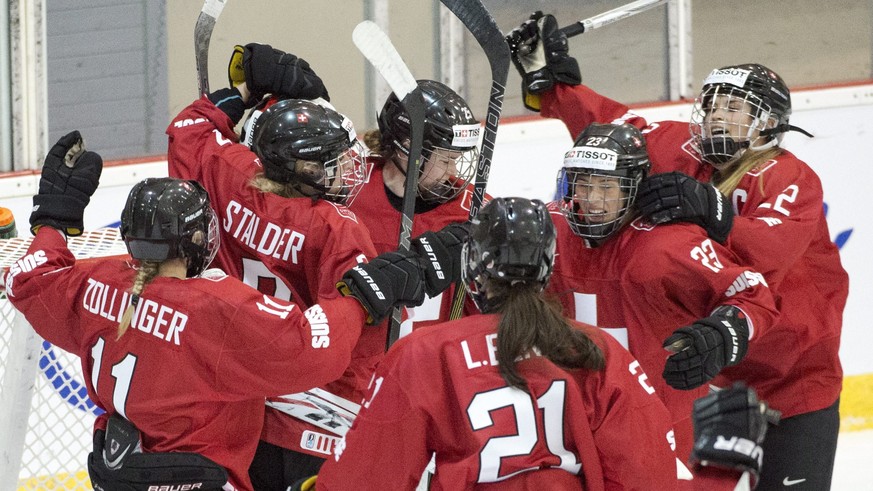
(785, 128)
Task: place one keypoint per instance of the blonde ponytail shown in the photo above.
(146, 273)
(728, 182)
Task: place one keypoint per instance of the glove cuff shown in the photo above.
(230, 102)
(733, 325)
(59, 211)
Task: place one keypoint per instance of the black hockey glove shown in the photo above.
(69, 177)
(729, 427)
(230, 102)
(388, 280)
(705, 347)
(673, 197)
(540, 53)
(271, 71)
(441, 255)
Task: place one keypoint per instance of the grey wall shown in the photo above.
(107, 74)
(119, 69)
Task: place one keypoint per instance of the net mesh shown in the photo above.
(59, 425)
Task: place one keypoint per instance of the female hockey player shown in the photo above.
(281, 199)
(773, 217)
(517, 397)
(642, 282)
(228, 345)
(450, 154)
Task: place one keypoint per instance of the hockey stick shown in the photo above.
(202, 34)
(602, 19)
(610, 16)
(374, 44)
(481, 25)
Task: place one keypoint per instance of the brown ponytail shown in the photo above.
(373, 140)
(146, 273)
(531, 321)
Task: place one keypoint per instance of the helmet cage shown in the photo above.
(451, 135)
(719, 141)
(597, 219)
(336, 178)
(445, 172)
(600, 178)
(304, 143)
(751, 89)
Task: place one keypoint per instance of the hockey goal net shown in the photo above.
(46, 417)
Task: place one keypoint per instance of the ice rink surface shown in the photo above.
(853, 470)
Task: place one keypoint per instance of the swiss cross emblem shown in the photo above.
(302, 118)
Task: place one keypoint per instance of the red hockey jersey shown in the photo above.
(383, 221)
(647, 281)
(779, 229)
(438, 391)
(293, 248)
(200, 356)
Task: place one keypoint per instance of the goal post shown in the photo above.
(46, 418)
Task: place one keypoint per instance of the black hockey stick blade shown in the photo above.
(481, 25)
(202, 35)
(375, 45)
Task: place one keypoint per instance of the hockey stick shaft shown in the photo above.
(202, 35)
(480, 23)
(375, 45)
(610, 16)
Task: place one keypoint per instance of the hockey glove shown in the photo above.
(540, 53)
(673, 197)
(271, 71)
(441, 254)
(69, 177)
(705, 347)
(388, 280)
(729, 427)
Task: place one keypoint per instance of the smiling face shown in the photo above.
(599, 198)
(444, 173)
(729, 116)
(726, 121)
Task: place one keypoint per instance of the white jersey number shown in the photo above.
(254, 271)
(122, 372)
(523, 441)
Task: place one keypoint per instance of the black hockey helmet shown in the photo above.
(292, 130)
(511, 240)
(166, 218)
(759, 92)
(604, 150)
(449, 127)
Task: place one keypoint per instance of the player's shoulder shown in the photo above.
(778, 175)
(457, 209)
(333, 215)
(428, 342)
(643, 243)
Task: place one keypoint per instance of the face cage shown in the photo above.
(343, 176)
(589, 225)
(722, 141)
(445, 172)
(201, 256)
(473, 276)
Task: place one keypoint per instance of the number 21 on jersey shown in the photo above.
(522, 440)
